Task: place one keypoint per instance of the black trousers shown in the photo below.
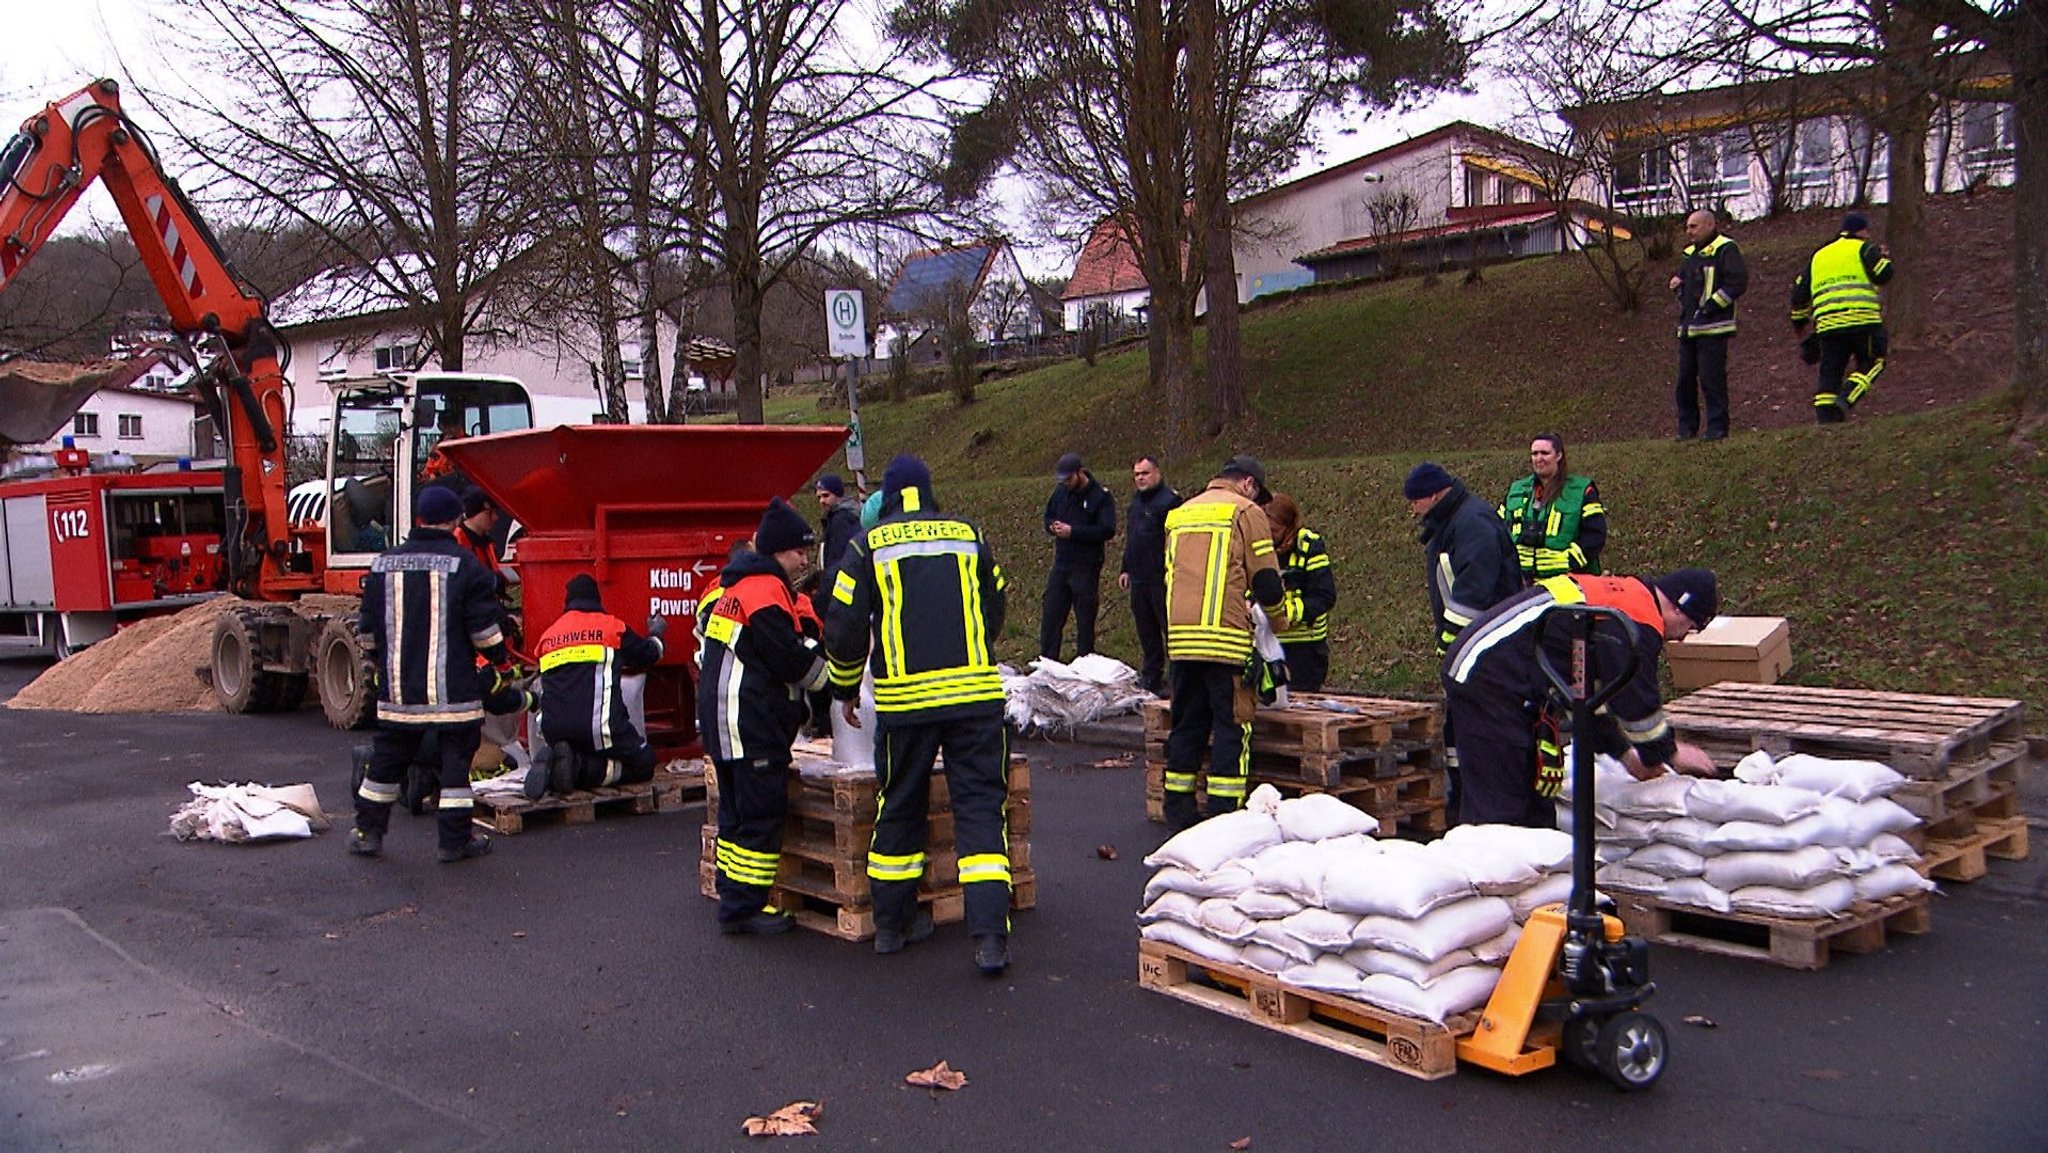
(392, 750)
(977, 752)
(1148, 609)
(1070, 587)
(628, 762)
(1308, 665)
(1703, 373)
(1839, 389)
(1496, 747)
(1205, 726)
(753, 811)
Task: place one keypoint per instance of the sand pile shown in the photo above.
(151, 666)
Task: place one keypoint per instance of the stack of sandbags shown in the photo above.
(1804, 837)
(1302, 891)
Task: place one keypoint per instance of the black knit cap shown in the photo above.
(1854, 223)
(1427, 479)
(783, 528)
(475, 501)
(1693, 590)
(582, 593)
(438, 505)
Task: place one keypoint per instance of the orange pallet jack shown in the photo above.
(1576, 982)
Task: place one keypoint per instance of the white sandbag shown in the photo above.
(1823, 900)
(1873, 819)
(1423, 973)
(1849, 779)
(1691, 834)
(1193, 940)
(1891, 881)
(1552, 890)
(1221, 919)
(1757, 769)
(1667, 861)
(1427, 938)
(1362, 842)
(1320, 816)
(1493, 872)
(1547, 850)
(1328, 974)
(1172, 906)
(1395, 847)
(1623, 879)
(1758, 837)
(1328, 931)
(1266, 959)
(1799, 868)
(1608, 853)
(1260, 905)
(1659, 797)
(1608, 775)
(1265, 799)
(1291, 867)
(1633, 832)
(1725, 801)
(1391, 884)
(1495, 950)
(1892, 849)
(1449, 995)
(1696, 892)
(1210, 843)
(1228, 881)
(1273, 936)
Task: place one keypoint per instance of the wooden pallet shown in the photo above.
(1320, 746)
(1963, 859)
(817, 910)
(1793, 943)
(1422, 1049)
(817, 866)
(1411, 804)
(1966, 788)
(507, 813)
(1919, 735)
(679, 785)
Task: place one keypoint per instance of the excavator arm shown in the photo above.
(44, 169)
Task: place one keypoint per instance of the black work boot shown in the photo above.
(992, 953)
(477, 846)
(364, 844)
(889, 941)
(537, 771)
(765, 923)
(562, 771)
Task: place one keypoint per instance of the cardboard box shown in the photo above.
(1754, 650)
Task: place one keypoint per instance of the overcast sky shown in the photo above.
(56, 46)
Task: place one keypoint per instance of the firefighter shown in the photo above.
(1706, 285)
(1508, 724)
(429, 609)
(1219, 558)
(1311, 593)
(758, 664)
(586, 736)
(919, 598)
(1554, 518)
(1837, 294)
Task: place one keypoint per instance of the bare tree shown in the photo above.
(1393, 213)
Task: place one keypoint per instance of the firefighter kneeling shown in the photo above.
(586, 738)
(761, 658)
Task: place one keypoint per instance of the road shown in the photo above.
(570, 992)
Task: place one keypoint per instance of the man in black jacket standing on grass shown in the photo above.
(1143, 573)
(1081, 518)
(1707, 285)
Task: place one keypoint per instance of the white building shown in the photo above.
(135, 416)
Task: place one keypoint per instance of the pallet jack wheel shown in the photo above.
(1632, 1049)
(1581, 1042)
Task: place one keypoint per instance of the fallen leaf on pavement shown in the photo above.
(1701, 1020)
(939, 1076)
(792, 1120)
(1241, 1143)
(1106, 852)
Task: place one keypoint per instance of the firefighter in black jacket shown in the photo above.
(1143, 573)
(1471, 561)
(758, 664)
(1311, 586)
(1080, 515)
(429, 610)
(1509, 746)
(1706, 286)
(587, 739)
(1837, 294)
(920, 598)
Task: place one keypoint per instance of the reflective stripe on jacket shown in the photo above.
(1573, 524)
(428, 609)
(1839, 287)
(757, 665)
(1709, 282)
(1215, 542)
(1311, 590)
(581, 656)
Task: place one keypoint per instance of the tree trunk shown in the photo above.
(1222, 339)
(1905, 225)
(746, 340)
(2027, 41)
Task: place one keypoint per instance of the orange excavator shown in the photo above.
(264, 655)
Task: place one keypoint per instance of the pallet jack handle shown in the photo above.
(1586, 692)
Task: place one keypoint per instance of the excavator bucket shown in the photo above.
(37, 399)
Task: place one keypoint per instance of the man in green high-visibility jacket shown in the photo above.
(1837, 294)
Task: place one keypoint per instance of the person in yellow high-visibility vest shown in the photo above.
(1837, 295)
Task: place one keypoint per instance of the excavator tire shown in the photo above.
(345, 677)
(239, 678)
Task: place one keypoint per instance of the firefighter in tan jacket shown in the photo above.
(1219, 559)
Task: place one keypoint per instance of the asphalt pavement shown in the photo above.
(571, 992)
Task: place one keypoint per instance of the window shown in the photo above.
(1813, 158)
(1642, 177)
(85, 424)
(1475, 187)
(629, 354)
(130, 425)
(334, 365)
(1871, 151)
(396, 357)
(1503, 190)
(1987, 135)
(1717, 165)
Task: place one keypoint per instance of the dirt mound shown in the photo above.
(152, 666)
